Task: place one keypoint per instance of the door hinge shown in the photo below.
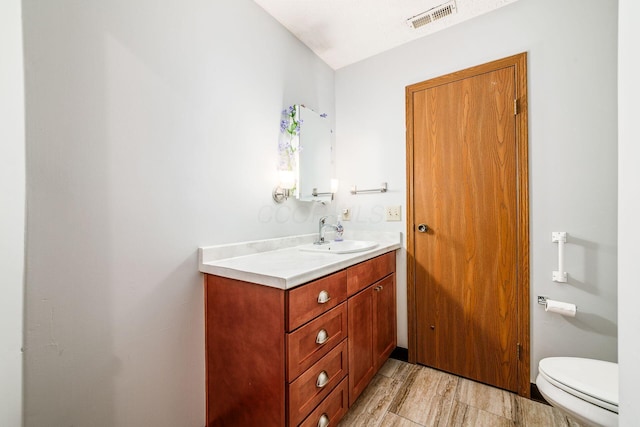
(518, 350)
(515, 107)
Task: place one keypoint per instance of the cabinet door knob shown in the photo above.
(323, 297)
(323, 421)
(322, 336)
(323, 379)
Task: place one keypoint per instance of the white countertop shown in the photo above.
(279, 263)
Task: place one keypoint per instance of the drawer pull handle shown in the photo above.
(322, 336)
(378, 288)
(323, 297)
(323, 421)
(323, 379)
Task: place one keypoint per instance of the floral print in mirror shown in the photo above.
(289, 144)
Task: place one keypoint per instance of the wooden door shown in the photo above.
(468, 265)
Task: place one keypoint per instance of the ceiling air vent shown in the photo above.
(432, 14)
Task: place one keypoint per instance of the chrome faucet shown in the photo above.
(322, 224)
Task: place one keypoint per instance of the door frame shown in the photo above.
(519, 62)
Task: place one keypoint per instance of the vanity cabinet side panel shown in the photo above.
(245, 353)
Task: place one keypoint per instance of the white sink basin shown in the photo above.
(343, 247)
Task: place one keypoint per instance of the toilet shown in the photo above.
(584, 389)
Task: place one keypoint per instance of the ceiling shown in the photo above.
(343, 32)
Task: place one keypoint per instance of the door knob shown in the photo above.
(422, 228)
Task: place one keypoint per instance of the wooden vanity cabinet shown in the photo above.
(301, 356)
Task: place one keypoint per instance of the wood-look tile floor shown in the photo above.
(406, 395)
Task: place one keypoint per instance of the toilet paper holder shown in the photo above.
(542, 300)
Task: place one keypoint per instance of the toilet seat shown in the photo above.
(594, 381)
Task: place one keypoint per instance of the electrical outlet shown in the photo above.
(392, 213)
(346, 214)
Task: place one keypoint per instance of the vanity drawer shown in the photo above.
(311, 300)
(307, 344)
(364, 274)
(306, 392)
(332, 408)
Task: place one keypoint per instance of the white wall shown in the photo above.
(573, 154)
(152, 129)
(12, 212)
(628, 212)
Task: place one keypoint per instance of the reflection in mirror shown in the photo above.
(306, 149)
(316, 167)
(288, 151)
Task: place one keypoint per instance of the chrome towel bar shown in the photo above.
(382, 189)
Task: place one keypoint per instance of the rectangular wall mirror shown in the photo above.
(307, 150)
(316, 152)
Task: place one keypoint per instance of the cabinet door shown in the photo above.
(361, 359)
(384, 321)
